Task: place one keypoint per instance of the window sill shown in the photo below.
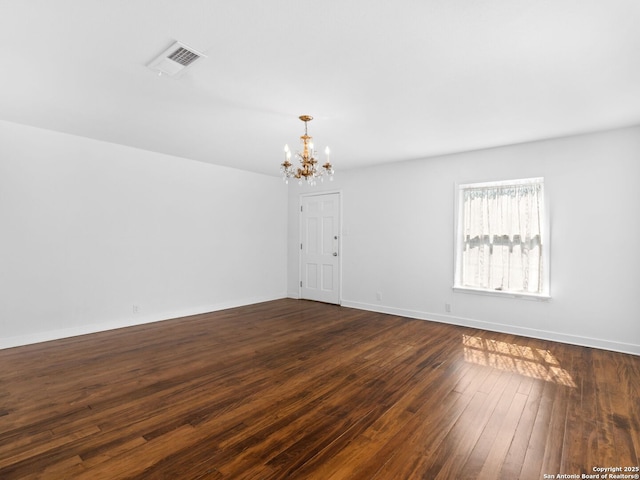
(541, 297)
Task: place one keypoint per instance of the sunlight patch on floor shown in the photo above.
(532, 362)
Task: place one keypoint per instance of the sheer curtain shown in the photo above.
(501, 237)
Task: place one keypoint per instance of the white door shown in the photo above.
(320, 248)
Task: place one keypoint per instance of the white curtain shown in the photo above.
(502, 247)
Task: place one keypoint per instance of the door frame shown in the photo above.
(301, 236)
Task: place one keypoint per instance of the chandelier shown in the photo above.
(309, 169)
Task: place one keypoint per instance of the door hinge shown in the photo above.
(300, 207)
(300, 246)
(300, 282)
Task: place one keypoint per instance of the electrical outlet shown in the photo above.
(136, 309)
(378, 296)
(447, 307)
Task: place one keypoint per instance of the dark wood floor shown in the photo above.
(296, 389)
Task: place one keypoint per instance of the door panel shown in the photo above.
(320, 254)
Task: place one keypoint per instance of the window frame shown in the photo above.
(545, 294)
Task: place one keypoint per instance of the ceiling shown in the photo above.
(386, 81)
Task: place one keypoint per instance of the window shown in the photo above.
(501, 243)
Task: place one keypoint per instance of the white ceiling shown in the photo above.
(385, 81)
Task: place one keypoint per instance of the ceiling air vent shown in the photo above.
(175, 59)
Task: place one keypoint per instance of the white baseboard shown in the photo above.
(602, 344)
(46, 336)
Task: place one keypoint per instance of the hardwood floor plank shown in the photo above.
(450, 460)
(491, 432)
(401, 426)
(557, 432)
(499, 448)
(296, 389)
(413, 448)
(523, 435)
(580, 426)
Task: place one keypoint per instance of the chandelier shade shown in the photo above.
(309, 169)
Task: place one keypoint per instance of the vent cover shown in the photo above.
(175, 59)
(183, 56)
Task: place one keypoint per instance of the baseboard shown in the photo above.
(602, 344)
(58, 334)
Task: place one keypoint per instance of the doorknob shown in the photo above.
(335, 254)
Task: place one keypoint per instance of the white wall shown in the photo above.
(89, 229)
(397, 238)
